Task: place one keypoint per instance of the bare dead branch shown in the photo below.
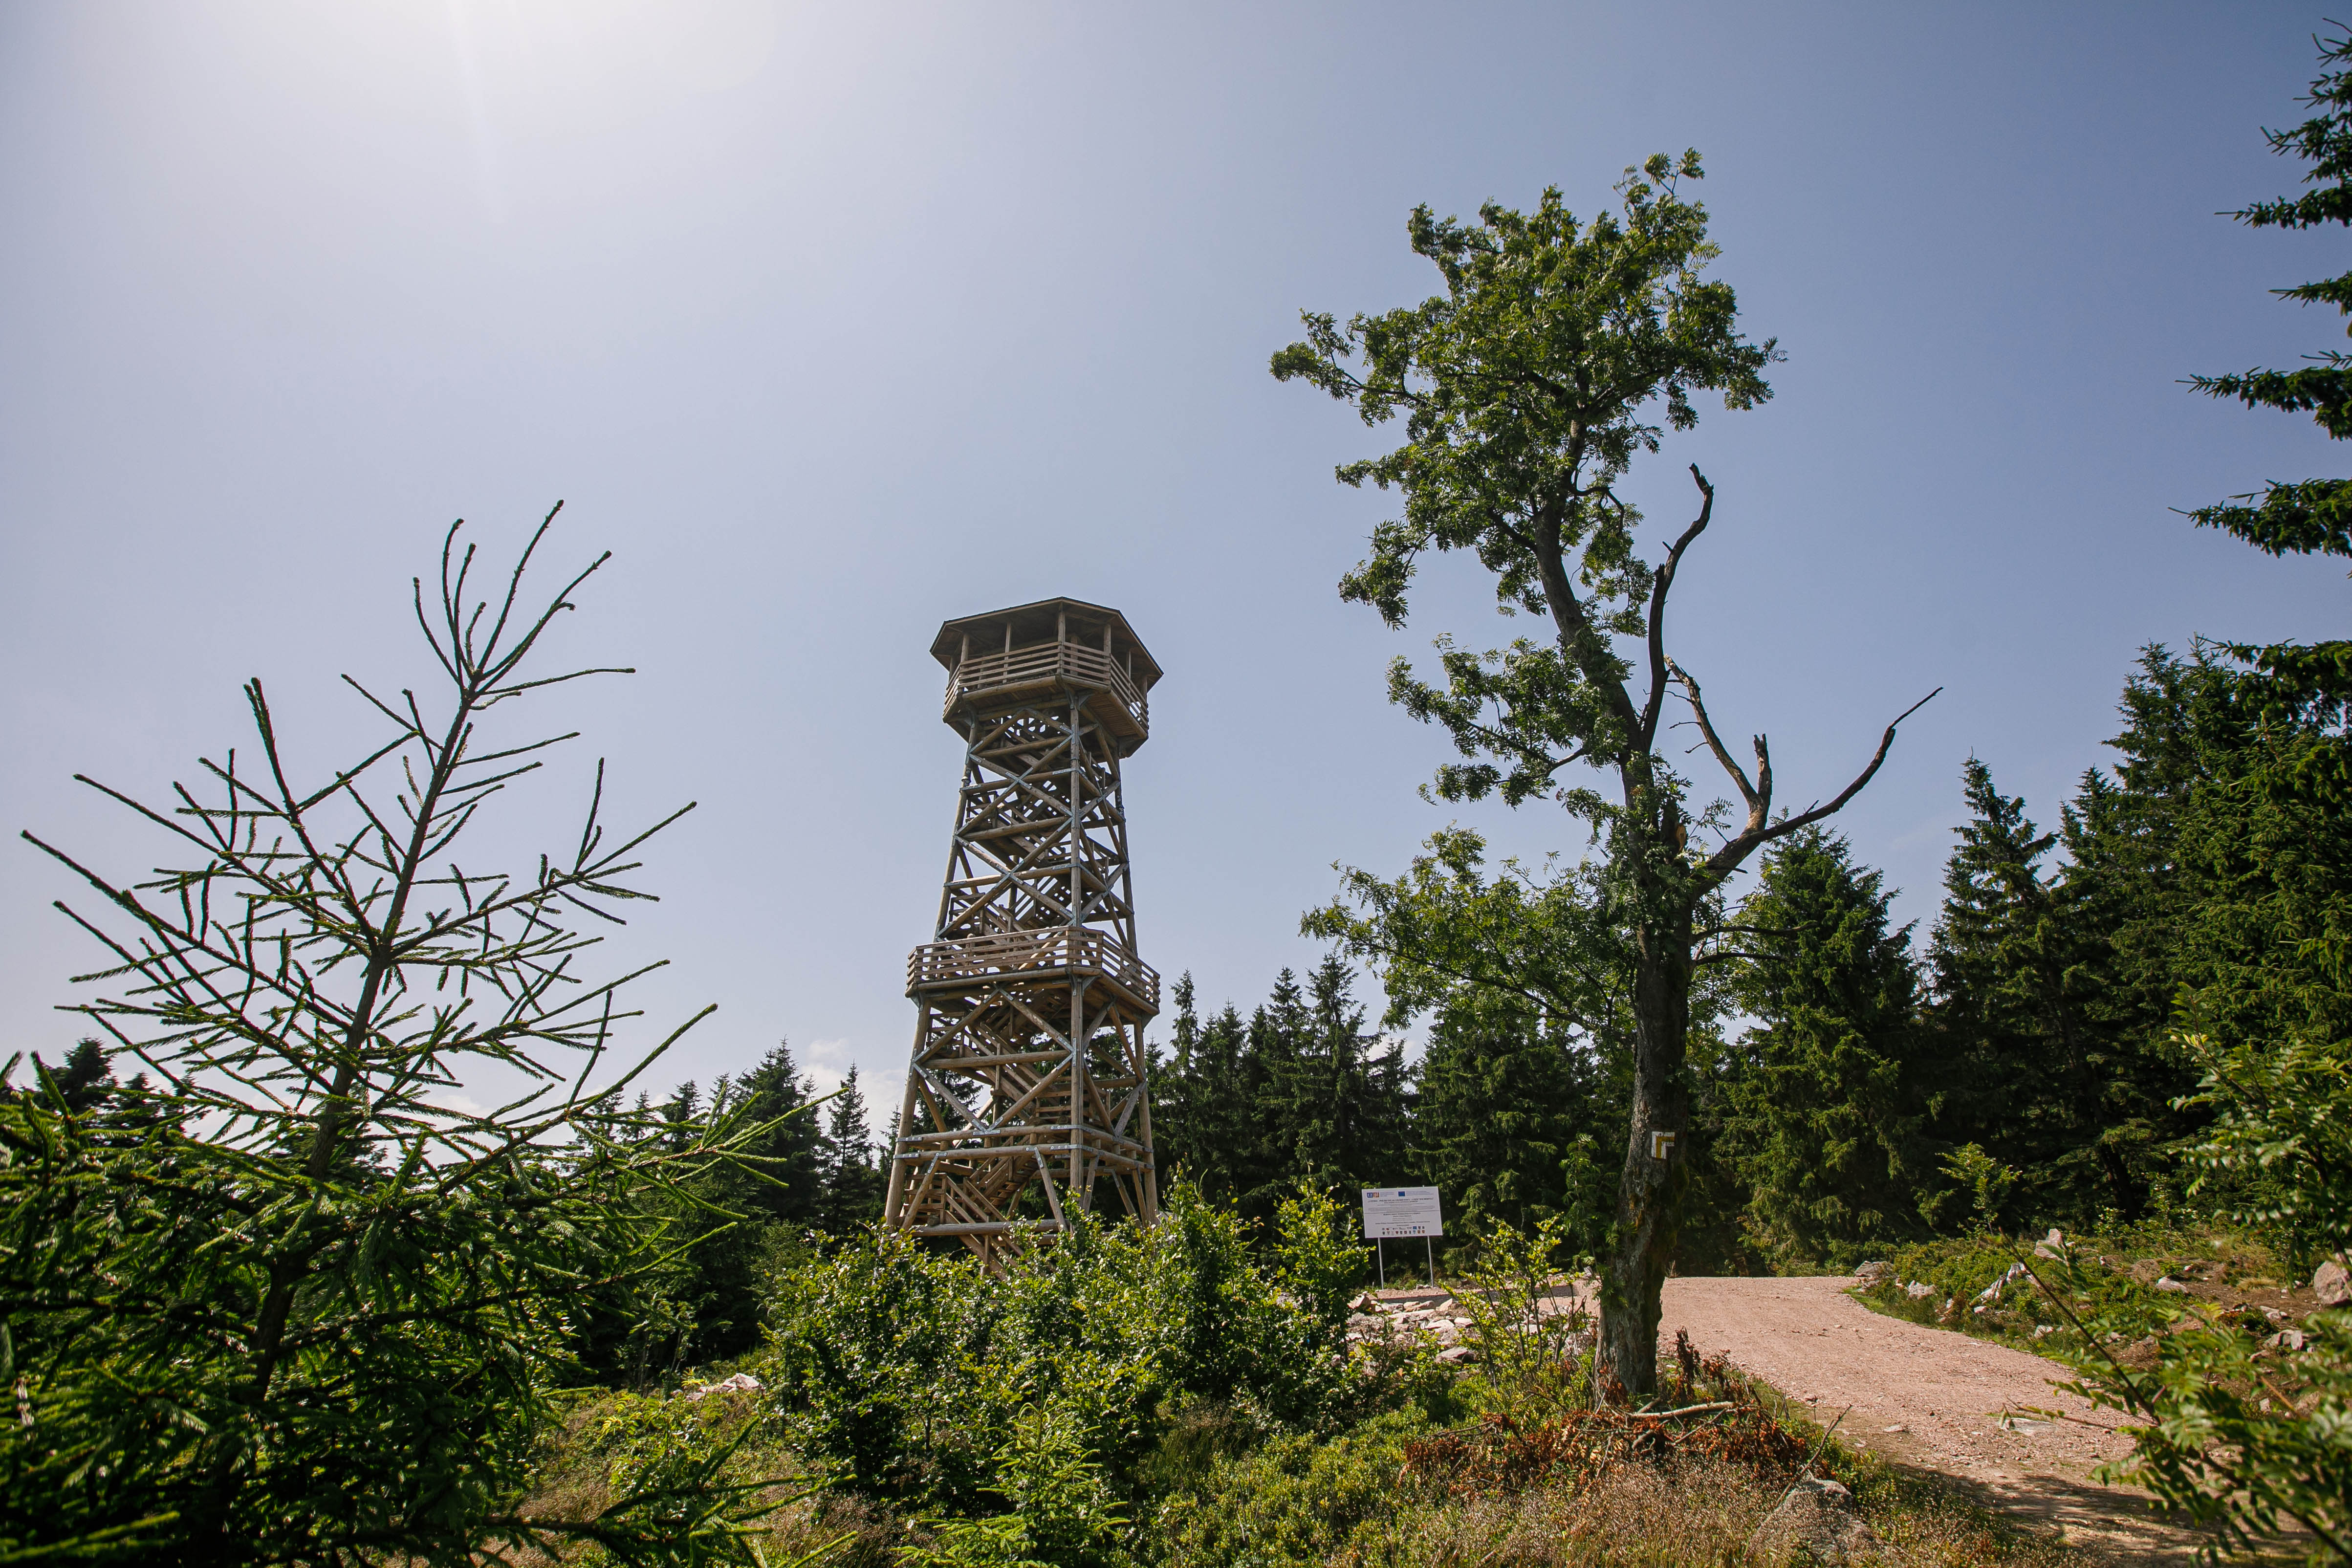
(1748, 791)
(1659, 663)
(1726, 860)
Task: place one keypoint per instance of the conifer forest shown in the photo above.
(358, 1212)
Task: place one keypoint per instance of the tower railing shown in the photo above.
(1047, 664)
(1059, 948)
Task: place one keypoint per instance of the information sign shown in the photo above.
(1391, 1212)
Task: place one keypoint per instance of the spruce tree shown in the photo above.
(788, 1152)
(1270, 1123)
(1511, 1123)
(1187, 1029)
(1218, 1139)
(2001, 1003)
(2132, 886)
(1823, 1114)
(2312, 517)
(1204, 1116)
(84, 1080)
(853, 1181)
(684, 1111)
(2275, 919)
(295, 1307)
(707, 1306)
(2265, 852)
(1173, 1114)
(2037, 1071)
(1350, 1103)
(2123, 839)
(1302, 1093)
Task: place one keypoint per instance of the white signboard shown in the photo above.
(1401, 1211)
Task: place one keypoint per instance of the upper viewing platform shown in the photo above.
(1011, 656)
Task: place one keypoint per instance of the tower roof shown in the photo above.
(1042, 622)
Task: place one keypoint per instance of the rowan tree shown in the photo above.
(1560, 351)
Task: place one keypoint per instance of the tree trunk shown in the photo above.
(1650, 1196)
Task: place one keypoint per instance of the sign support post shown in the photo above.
(1397, 1212)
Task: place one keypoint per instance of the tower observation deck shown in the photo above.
(1028, 1063)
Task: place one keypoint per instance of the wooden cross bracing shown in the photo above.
(1041, 838)
(1029, 1064)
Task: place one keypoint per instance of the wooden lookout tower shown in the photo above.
(1028, 1062)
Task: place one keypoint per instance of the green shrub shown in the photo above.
(1526, 1359)
(1959, 1269)
(2112, 1276)
(2281, 1141)
(642, 1460)
(1985, 1180)
(1195, 1435)
(1093, 1373)
(1293, 1500)
(869, 1364)
(2237, 1423)
(1319, 1249)
(1063, 1514)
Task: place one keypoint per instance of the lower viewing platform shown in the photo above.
(1061, 952)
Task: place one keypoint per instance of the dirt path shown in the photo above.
(1929, 1398)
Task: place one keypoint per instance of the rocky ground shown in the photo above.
(1428, 1310)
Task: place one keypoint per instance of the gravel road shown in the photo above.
(1930, 1398)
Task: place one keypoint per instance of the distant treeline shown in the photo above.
(813, 1171)
(2080, 982)
(810, 1172)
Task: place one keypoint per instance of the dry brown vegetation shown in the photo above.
(1701, 1511)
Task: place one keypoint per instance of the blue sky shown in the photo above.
(834, 323)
